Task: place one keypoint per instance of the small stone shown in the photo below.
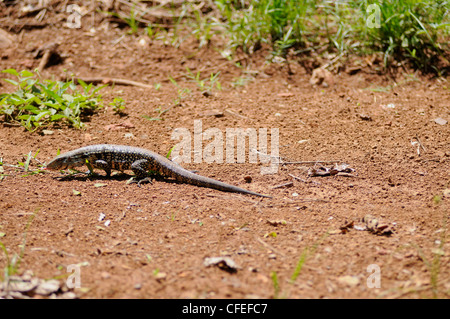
(440, 121)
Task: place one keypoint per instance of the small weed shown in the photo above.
(13, 263)
(276, 284)
(132, 19)
(118, 105)
(434, 266)
(26, 165)
(307, 252)
(2, 170)
(206, 85)
(160, 112)
(38, 103)
(241, 81)
(437, 199)
(181, 92)
(172, 216)
(170, 152)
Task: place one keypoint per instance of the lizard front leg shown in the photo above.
(139, 168)
(104, 165)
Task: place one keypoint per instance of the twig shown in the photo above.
(418, 145)
(311, 162)
(269, 246)
(48, 50)
(303, 180)
(105, 80)
(238, 115)
(289, 184)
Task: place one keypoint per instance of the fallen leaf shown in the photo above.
(350, 281)
(123, 125)
(377, 228)
(338, 169)
(271, 234)
(345, 228)
(215, 113)
(277, 222)
(224, 263)
(160, 276)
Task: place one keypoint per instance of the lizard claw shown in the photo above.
(142, 180)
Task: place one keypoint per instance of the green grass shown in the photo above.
(38, 103)
(406, 32)
(276, 22)
(417, 31)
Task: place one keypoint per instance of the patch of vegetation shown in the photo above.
(279, 23)
(38, 103)
(416, 32)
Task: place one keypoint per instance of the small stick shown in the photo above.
(238, 115)
(97, 80)
(289, 184)
(273, 249)
(303, 180)
(48, 50)
(311, 162)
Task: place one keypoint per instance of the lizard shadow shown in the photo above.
(118, 177)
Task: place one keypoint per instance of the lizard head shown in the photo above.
(66, 161)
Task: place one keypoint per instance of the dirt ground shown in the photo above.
(308, 241)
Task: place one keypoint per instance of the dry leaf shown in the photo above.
(224, 263)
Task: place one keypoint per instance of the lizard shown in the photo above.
(139, 160)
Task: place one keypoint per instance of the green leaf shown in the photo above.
(11, 82)
(11, 71)
(26, 73)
